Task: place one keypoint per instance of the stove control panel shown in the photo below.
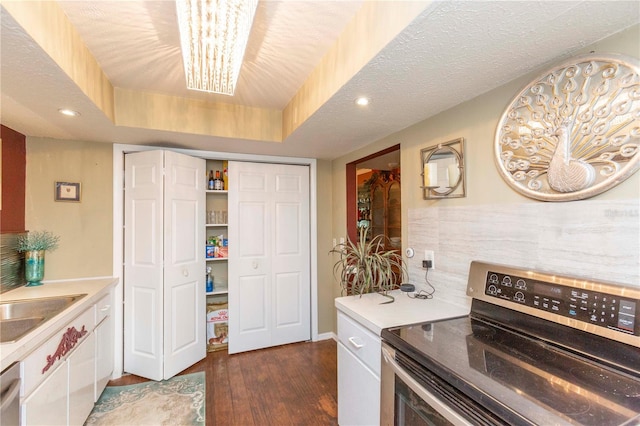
(617, 313)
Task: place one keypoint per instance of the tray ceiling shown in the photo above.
(449, 53)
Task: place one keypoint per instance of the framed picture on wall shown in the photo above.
(67, 191)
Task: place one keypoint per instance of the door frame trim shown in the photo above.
(352, 189)
(118, 232)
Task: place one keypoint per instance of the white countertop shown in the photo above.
(93, 288)
(368, 311)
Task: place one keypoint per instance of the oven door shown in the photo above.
(411, 395)
(406, 401)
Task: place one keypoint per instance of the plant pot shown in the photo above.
(34, 267)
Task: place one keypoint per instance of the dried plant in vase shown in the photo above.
(34, 244)
(37, 240)
(367, 267)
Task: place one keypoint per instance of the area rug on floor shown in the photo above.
(177, 401)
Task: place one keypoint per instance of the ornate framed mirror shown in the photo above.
(443, 170)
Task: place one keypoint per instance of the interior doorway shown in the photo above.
(373, 196)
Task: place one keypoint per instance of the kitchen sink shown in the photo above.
(19, 317)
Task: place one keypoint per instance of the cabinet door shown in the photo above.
(104, 347)
(81, 364)
(104, 355)
(269, 266)
(48, 403)
(358, 391)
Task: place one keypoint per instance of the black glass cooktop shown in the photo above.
(520, 377)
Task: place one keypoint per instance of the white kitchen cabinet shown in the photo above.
(59, 376)
(359, 353)
(104, 349)
(65, 397)
(47, 404)
(81, 365)
(43, 361)
(360, 322)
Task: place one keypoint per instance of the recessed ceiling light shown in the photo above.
(362, 101)
(68, 112)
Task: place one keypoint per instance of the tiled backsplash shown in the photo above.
(592, 239)
(11, 263)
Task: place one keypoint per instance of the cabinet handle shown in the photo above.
(352, 340)
(105, 308)
(185, 272)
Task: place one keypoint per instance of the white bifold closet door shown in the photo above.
(269, 265)
(164, 270)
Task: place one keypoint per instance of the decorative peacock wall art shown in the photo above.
(574, 132)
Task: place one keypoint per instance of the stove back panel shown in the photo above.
(604, 309)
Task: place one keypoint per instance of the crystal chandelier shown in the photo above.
(213, 36)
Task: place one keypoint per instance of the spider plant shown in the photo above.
(366, 267)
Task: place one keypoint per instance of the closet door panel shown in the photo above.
(253, 309)
(291, 262)
(253, 216)
(164, 274)
(249, 258)
(143, 268)
(184, 263)
(269, 245)
(288, 312)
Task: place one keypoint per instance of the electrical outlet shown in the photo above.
(430, 255)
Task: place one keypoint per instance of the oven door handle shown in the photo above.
(425, 395)
(10, 396)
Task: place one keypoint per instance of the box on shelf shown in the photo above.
(210, 252)
(217, 326)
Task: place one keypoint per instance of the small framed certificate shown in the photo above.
(67, 191)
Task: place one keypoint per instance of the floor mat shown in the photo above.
(177, 401)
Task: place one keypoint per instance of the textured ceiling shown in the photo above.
(452, 52)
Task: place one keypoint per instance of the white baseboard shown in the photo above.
(326, 336)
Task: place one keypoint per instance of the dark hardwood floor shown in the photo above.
(286, 385)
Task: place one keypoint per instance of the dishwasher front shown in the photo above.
(10, 395)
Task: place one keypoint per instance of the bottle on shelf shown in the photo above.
(225, 175)
(218, 184)
(209, 280)
(211, 182)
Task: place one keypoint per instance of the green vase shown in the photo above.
(34, 267)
